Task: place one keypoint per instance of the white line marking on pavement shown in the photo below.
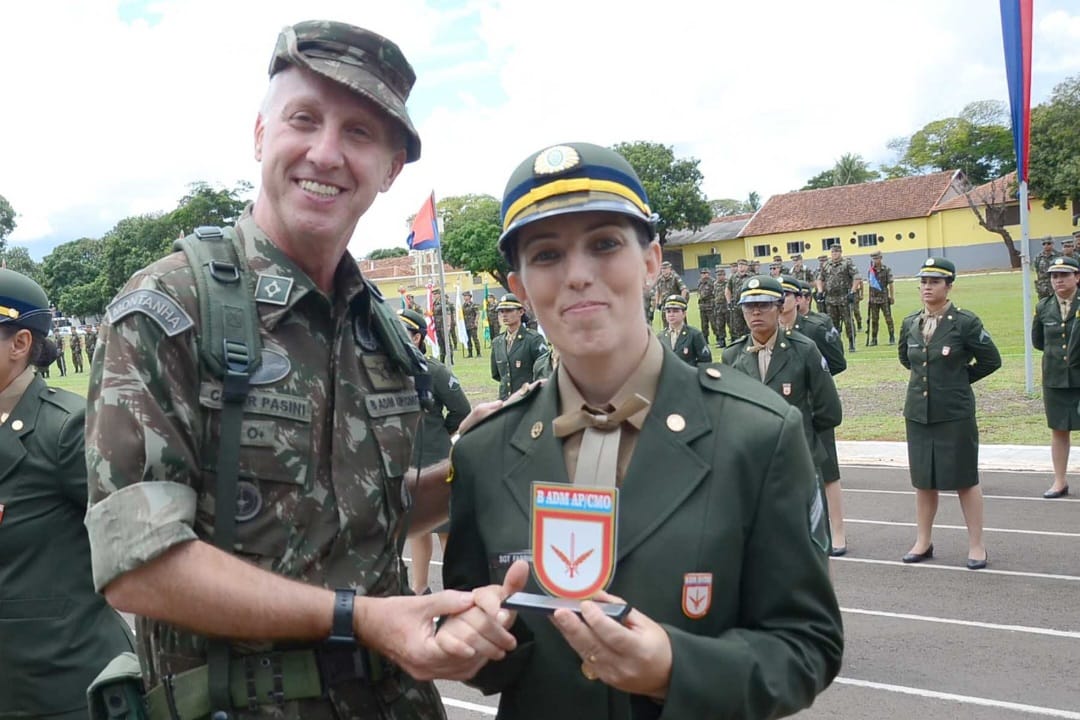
(1038, 499)
(967, 623)
(484, 709)
(1050, 533)
(958, 568)
(965, 699)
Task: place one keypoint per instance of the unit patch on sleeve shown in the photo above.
(156, 305)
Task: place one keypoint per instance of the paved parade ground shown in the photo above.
(936, 641)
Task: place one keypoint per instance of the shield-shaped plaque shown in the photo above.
(573, 538)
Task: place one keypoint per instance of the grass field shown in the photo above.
(874, 384)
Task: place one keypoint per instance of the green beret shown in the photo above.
(761, 288)
(675, 302)
(413, 320)
(23, 303)
(1064, 264)
(937, 267)
(509, 302)
(575, 177)
(364, 62)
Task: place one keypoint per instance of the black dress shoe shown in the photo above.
(1052, 494)
(977, 564)
(919, 557)
(838, 551)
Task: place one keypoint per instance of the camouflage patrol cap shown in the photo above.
(875, 254)
(1048, 240)
(413, 321)
(23, 303)
(761, 289)
(797, 256)
(1063, 265)
(363, 62)
(569, 178)
(937, 267)
(1069, 242)
(823, 256)
(675, 302)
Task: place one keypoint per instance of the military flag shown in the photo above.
(424, 233)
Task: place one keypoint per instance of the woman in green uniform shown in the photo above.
(440, 421)
(688, 343)
(56, 633)
(733, 612)
(947, 349)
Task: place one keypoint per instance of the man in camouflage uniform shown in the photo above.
(411, 304)
(91, 343)
(734, 286)
(61, 360)
(471, 311)
(706, 290)
(1068, 245)
(856, 304)
(324, 488)
(669, 283)
(648, 299)
(779, 260)
(839, 281)
(799, 271)
(819, 297)
(776, 269)
(493, 318)
(1041, 265)
(720, 308)
(76, 350)
(880, 280)
(440, 333)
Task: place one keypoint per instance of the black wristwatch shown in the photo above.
(341, 629)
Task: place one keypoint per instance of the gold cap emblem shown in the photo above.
(556, 160)
(537, 429)
(753, 283)
(676, 422)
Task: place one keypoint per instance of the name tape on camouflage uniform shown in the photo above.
(261, 402)
(393, 403)
(156, 305)
(573, 538)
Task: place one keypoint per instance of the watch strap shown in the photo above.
(341, 629)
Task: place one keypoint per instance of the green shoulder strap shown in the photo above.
(230, 348)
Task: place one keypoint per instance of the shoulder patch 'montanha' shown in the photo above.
(156, 305)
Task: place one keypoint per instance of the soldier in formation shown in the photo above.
(492, 310)
(734, 287)
(265, 567)
(1068, 245)
(688, 343)
(720, 308)
(61, 360)
(76, 350)
(514, 353)
(706, 290)
(799, 271)
(440, 331)
(471, 312)
(880, 279)
(819, 298)
(669, 283)
(1041, 265)
(649, 300)
(91, 343)
(838, 282)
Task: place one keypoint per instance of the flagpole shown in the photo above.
(1025, 267)
(449, 359)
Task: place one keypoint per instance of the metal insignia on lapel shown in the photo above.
(946, 350)
(713, 373)
(537, 429)
(17, 425)
(676, 422)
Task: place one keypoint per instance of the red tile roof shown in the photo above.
(402, 267)
(897, 199)
(1000, 191)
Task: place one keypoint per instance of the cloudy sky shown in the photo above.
(112, 107)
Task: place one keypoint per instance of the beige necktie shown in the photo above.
(764, 355)
(1064, 305)
(929, 325)
(598, 457)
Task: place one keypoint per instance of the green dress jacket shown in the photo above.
(800, 374)
(515, 368)
(727, 489)
(960, 353)
(690, 345)
(819, 328)
(56, 633)
(1059, 342)
(442, 420)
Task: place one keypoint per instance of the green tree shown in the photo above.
(7, 221)
(383, 253)
(753, 201)
(132, 244)
(977, 141)
(724, 207)
(672, 184)
(205, 205)
(850, 169)
(18, 258)
(73, 279)
(1054, 168)
(470, 236)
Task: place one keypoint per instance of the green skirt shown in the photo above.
(830, 466)
(1062, 407)
(943, 455)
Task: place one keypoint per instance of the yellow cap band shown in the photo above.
(568, 186)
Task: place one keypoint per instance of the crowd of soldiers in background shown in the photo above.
(839, 290)
(80, 342)
(1041, 263)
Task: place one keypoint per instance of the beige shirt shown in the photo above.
(12, 394)
(764, 353)
(930, 322)
(1065, 305)
(643, 382)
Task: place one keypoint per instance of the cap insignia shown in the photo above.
(555, 160)
(1059, 261)
(929, 261)
(753, 283)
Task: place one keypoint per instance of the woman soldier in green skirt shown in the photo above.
(947, 349)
